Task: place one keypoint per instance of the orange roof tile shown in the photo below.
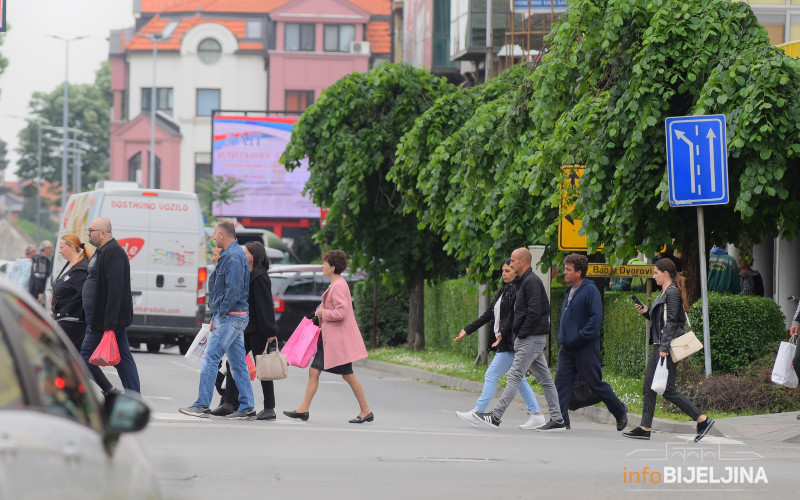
(374, 7)
(157, 25)
(232, 6)
(379, 37)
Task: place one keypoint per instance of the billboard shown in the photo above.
(540, 5)
(249, 148)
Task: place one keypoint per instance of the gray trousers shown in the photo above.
(529, 353)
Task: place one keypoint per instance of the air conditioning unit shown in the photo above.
(359, 48)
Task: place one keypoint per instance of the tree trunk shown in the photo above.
(690, 258)
(416, 312)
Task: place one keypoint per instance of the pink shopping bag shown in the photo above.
(251, 365)
(302, 345)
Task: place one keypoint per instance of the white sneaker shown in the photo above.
(533, 422)
(468, 417)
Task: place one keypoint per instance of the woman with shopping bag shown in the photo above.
(260, 330)
(661, 334)
(339, 342)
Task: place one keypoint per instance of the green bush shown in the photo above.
(624, 335)
(392, 314)
(742, 329)
(450, 306)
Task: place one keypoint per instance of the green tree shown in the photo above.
(218, 189)
(88, 111)
(3, 60)
(615, 69)
(350, 136)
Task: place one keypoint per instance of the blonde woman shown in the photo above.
(66, 306)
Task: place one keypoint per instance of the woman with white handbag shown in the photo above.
(665, 326)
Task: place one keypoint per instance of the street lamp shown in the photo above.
(151, 167)
(64, 117)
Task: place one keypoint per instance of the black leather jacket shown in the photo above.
(506, 295)
(661, 334)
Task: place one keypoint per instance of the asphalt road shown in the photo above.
(417, 448)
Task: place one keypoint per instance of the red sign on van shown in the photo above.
(131, 246)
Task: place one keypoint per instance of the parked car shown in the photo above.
(57, 440)
(297, 292)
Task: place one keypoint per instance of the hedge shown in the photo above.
(450, 306)
(392, 313)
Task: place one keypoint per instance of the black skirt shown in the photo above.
(319, 362)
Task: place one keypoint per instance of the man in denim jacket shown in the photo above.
(228, 288)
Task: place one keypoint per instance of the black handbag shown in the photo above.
(582, 395)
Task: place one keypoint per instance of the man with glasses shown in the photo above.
(108, 305)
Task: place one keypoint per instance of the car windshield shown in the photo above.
(277, 283)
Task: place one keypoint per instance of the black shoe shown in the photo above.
(111, 391)
(552, 426)
(266, 414)
(293, 414)
(637, 433)
(703, 428)
(622, 421)
(488, 419)
(369, 417)
(223, 410)
(798, 417)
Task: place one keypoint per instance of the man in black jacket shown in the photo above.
(531, 326)
(108, 304)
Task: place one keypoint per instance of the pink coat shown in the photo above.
(341, 338)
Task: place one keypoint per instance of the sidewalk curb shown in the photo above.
(756, 426)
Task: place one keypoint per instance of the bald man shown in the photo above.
(108, 305)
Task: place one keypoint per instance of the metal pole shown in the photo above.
(64, 133)
(701, 239)
(76, 174)
(151, 167)
(38, 180)
(489, 42)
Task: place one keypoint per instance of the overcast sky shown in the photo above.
(36, 62)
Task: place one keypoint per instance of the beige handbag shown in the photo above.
(684, 346)
(272, 365)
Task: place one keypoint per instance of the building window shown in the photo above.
(441, 35)
(299, 37)
(163, 100)
(135, 168)
(207, 101)
(338, 37)
(202, 171)
(253, 29)
(299, 100)
(209, 51)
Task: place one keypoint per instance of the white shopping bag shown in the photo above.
(660, 376)
(782, 372)
(198, 347)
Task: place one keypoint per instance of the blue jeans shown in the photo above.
(499, 366)
(227, 336)
(126, 368)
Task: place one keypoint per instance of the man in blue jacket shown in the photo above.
(579, 336)
(228, 288)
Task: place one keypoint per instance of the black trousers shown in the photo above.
(796, 362)
(585, 360)
(255, 343)
(671, 394)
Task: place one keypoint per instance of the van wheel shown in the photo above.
(183, 345)
(153, 346)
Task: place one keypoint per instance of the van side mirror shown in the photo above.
(125, 413)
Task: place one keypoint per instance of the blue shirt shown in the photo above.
(20, 272)
(229, 284)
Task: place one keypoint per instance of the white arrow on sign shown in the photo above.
(711, 136)
(682, 136)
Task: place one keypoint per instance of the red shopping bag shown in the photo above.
(302, 345)
(251, 366)
(107, 352)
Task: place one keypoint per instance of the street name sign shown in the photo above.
(597, 270)
(697, 160)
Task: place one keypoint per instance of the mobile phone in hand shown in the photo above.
(636, 300)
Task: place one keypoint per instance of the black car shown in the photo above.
(297, 292)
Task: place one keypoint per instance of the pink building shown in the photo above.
(255, 55)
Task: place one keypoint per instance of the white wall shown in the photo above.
(241, 78)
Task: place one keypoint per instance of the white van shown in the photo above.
(162, 232)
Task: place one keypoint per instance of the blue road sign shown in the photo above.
(697, 160)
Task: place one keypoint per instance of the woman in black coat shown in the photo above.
(260, 330)
(66, 306)
(500, 313)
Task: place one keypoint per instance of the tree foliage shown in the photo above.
(614, 71)
(218, 189)
(89, 106)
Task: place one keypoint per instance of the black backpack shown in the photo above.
(42, 266)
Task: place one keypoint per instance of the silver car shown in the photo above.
(57, 440)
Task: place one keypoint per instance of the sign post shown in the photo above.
(697, 170)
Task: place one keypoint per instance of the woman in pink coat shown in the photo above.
(340, 341)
